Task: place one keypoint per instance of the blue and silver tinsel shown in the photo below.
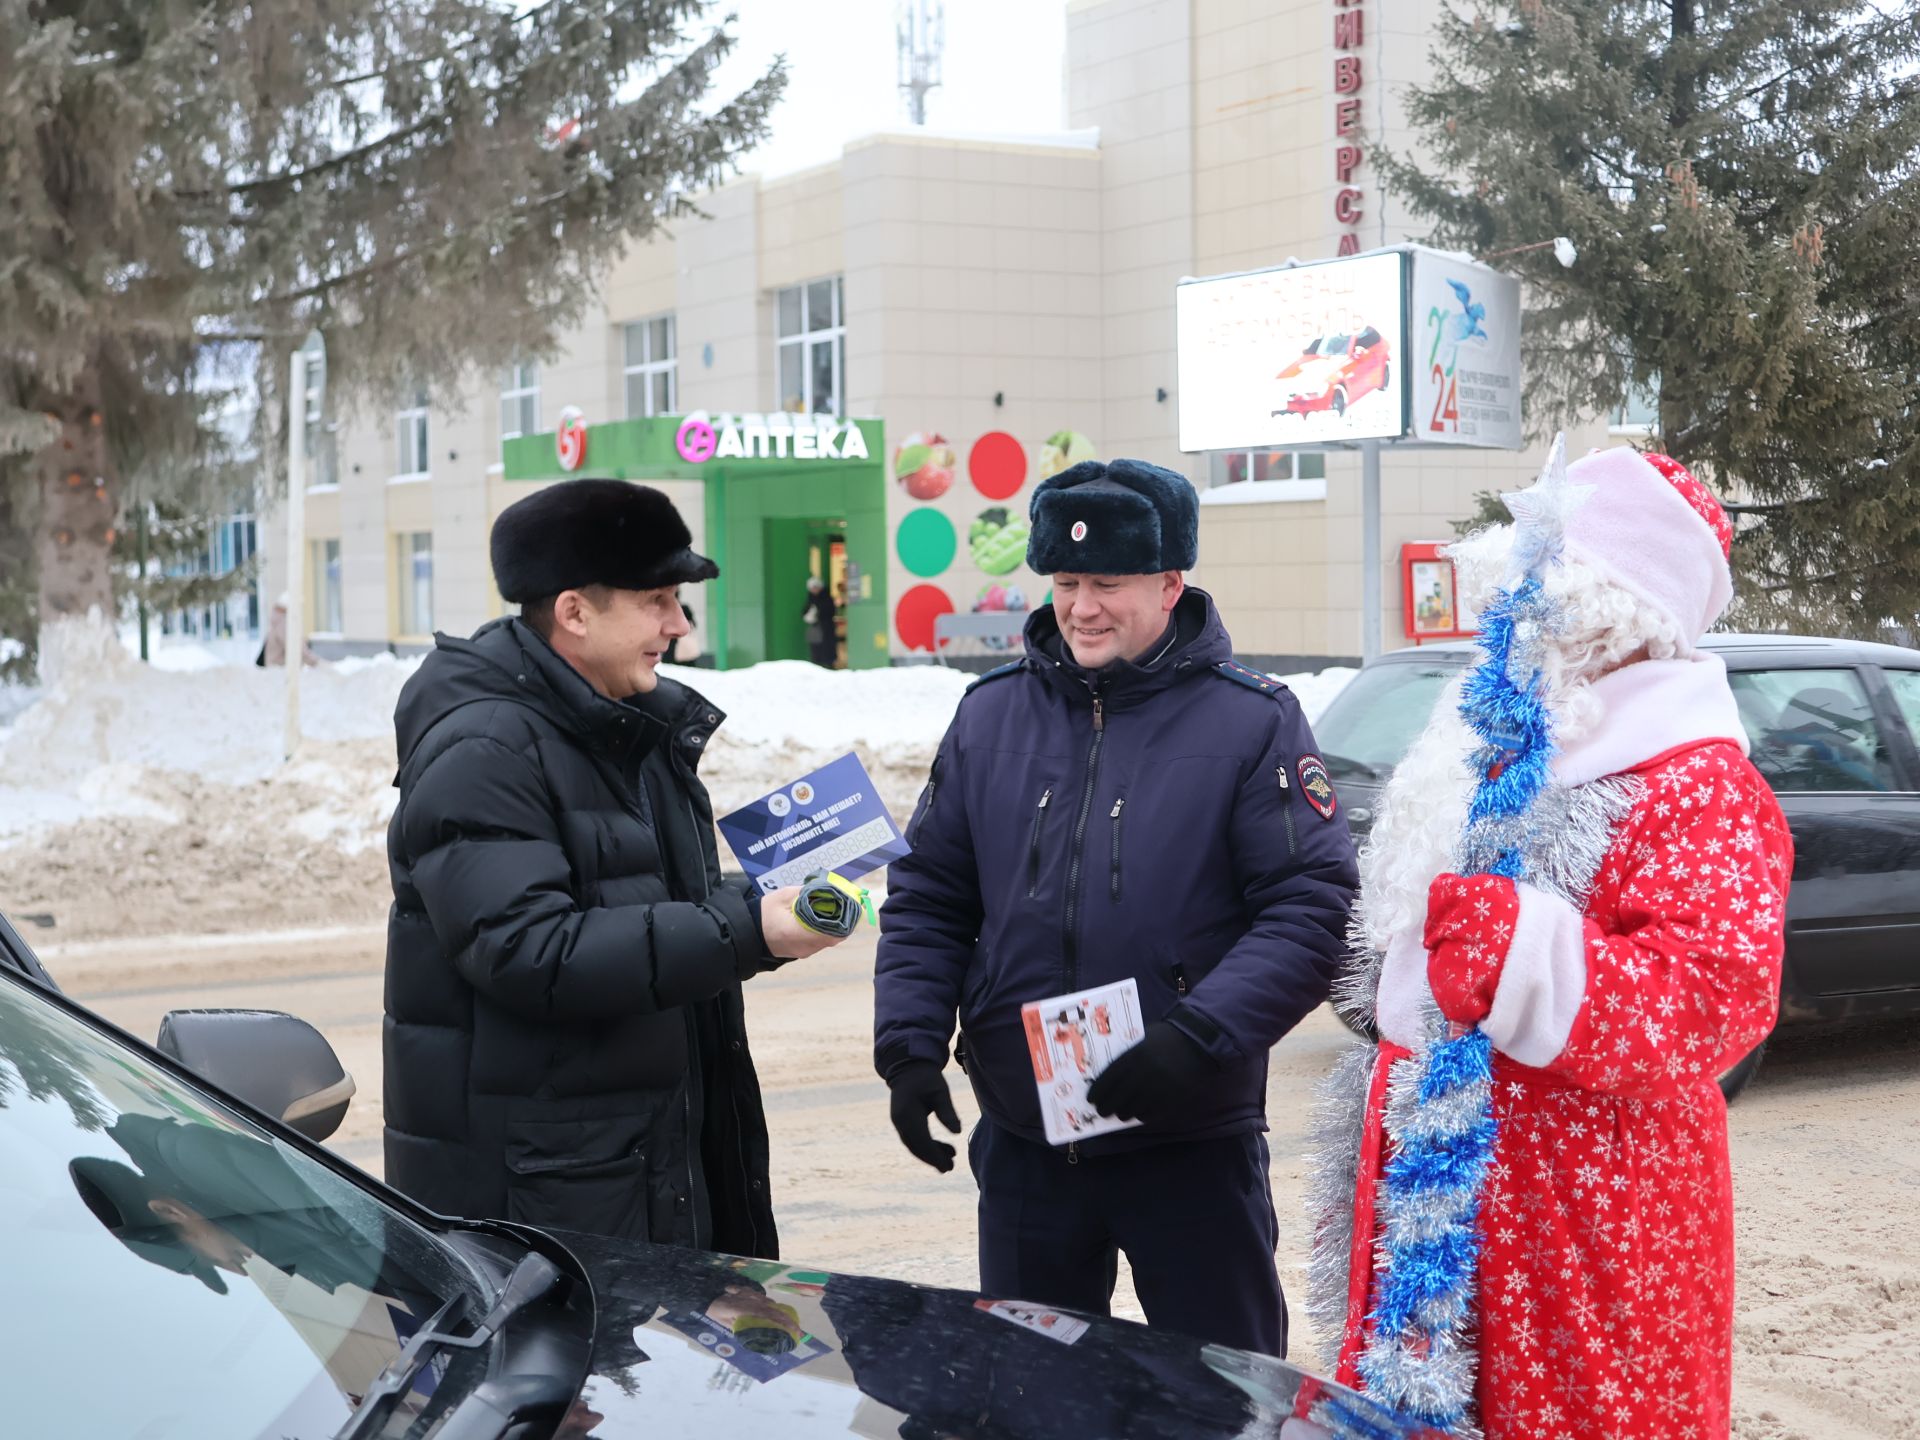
(1420, 1356)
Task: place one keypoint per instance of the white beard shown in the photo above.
(1417, 832)
(1423, 812)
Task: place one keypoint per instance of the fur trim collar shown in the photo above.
(1648, 709)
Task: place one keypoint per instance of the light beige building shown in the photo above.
(1000, 305)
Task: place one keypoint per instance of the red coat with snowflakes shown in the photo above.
(1605, 1299)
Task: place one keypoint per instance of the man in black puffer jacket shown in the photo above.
(565, 1043)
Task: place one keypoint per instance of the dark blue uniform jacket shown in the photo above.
(1148, 820)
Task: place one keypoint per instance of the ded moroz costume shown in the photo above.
(1571, 920)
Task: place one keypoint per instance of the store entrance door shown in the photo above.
(796, 549)
(827, 562)
(776, 529)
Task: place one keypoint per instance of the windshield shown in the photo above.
(175, 1271)
(1372, 723)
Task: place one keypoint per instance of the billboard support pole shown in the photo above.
(1370, 618)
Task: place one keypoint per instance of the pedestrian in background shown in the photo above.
(819, 612)
(1125, 802)
(565, 1043)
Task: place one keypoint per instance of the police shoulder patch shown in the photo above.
(1009, 668)
(1316, 785)
(1253, 679)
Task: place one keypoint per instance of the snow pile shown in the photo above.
(104, 724)
(786, 717)
(793, 702)
(156, 799)
(142, 799)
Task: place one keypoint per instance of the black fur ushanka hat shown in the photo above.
(593, 532)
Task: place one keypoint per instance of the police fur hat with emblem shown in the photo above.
(1123, 518)
(593, 532)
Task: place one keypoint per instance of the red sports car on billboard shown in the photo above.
(1333, 372)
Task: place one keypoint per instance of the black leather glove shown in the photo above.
(920, 1090)
(1156, 1080)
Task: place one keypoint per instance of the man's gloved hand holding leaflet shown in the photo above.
(1072, 1039)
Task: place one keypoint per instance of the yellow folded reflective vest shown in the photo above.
(830, 904)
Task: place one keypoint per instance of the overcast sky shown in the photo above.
(1002, 68)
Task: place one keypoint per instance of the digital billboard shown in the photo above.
(1305, 355)
(1464, 361)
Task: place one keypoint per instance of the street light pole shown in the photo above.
(298, 372)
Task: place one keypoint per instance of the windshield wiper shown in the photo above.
(532, 1278)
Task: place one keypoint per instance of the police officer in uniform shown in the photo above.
(1124, 802)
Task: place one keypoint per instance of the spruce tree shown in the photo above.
(1739, 181)
(434, 184)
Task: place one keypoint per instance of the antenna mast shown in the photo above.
(921, 26)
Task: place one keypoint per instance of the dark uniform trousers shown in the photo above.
(1194, 1217)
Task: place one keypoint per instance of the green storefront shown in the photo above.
(784, 497)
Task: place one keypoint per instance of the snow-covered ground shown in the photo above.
(87, 745)
(159, 796)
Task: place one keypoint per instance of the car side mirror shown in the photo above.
(275, 1062)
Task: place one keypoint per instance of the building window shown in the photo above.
(1638, 413)
(323, 470)
(326, 587)
(414, 556)
(651, 368)
(410, 429)
(520, 400)
(1231, 467)
(811, 352)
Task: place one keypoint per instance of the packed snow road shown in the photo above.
(1826, 1181)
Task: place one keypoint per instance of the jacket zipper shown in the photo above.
(733, 1097)
(1179, 979)
(1286, 808)
(933, 785)
(1033, 844)
(1114, 815)
(686, 1115)
(1070, 944)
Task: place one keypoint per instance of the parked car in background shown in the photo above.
(184, 1261)
(1333, 372)
(1833, 727)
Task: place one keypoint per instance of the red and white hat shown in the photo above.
(1657, 531)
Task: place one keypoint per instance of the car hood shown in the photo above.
(689, 1343)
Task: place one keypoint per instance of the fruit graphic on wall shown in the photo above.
(997, 540)
(1064, 448)
(998, 465)
(913, 617)
(924, 466)
(926, 542)
(999, 597)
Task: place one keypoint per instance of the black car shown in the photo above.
(182, 1264)
(1832, 725)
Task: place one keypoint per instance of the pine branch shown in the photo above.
(420, 62)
